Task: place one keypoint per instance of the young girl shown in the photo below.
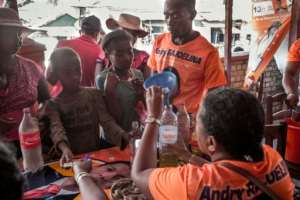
(132, 25)
(229, 130)
(77, 112)
(122, 85)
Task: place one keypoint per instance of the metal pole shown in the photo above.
(228, 39)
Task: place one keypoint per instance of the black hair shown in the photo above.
(91, 25)
(60, 55)
(114, 37)
(236, 119)
(11, 180)
(189, 4)
(90, 32)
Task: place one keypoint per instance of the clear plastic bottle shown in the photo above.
(30, 142)
(184, 124)
(168, 134)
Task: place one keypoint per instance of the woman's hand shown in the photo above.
(82, 166)
(154, 101)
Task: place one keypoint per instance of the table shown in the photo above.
(53, 175)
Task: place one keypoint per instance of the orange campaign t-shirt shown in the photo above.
(294, 52)
(197, 63)
(215, 182)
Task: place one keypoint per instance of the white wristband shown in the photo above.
(150, 120)
(79, 176)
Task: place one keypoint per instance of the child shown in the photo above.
(123, 85)
(132, 25)
(229, 130)
(76, 114)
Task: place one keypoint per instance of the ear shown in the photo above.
(193, 14)
(97, 36)
(211, 145)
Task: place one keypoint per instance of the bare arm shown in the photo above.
(110, 87)
(89, 190)
(88, 187)
(290, 82)
(145, 160)
(289, 78)
(58, 133)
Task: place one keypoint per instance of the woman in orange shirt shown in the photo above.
(229, 130)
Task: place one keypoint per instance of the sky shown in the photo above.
(211, 9)
(241, 8)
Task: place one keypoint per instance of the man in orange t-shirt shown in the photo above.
(229, 133)
(290, 76)
(195, 59)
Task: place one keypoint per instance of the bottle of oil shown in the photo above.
(184, 124)
(168, 134)
(30, 142)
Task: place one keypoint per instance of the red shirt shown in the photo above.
(21, 92)
(89, 51)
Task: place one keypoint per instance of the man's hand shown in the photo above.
(292, 100)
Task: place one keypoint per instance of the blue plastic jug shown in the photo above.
(166, 80)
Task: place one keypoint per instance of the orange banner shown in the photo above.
(271, 22)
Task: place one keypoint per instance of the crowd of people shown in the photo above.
(92, 92)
